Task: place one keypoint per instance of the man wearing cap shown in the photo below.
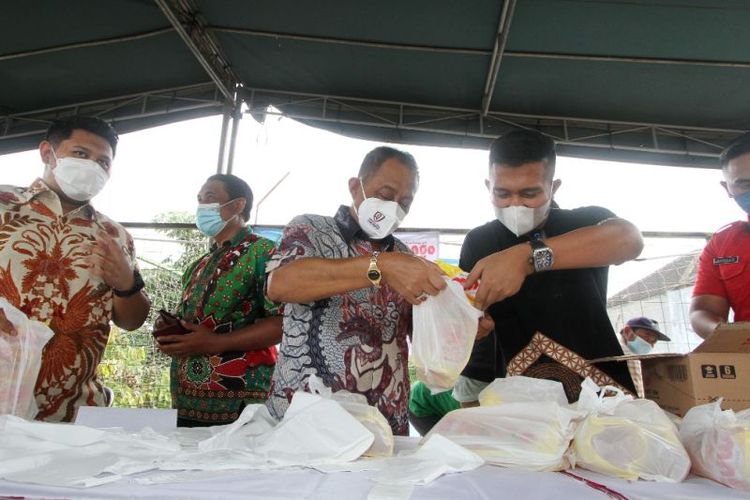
(638, 336)
(723, 272)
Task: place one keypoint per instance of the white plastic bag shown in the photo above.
(627, 438)
(520, 389)
(254, 421)
(532, 436)
(314, 430)
(435, 457)
(369, 416)
(719, 443)
(20, 360)
(444, 329)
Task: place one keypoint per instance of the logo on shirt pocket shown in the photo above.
(718, 261)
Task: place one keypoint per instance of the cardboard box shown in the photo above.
(718, 368)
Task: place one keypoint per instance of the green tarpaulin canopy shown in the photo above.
(660, 81)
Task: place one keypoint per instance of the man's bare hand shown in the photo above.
(411, 277)
(500, 275)
(6, 326)
(109, 263)
(200, 340)
(486, 325)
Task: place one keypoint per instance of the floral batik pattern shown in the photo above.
(43, 272)
(224, 290)
(356, 341)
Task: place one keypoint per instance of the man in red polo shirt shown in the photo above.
(723, 272)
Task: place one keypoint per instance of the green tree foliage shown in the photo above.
(135, 370)
(193, 243)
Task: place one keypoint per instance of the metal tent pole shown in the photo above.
(497, 53)
(236, 116)
(223, 138)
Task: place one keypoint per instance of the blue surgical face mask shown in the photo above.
(743, 201)
(208, 218)
(639, 346)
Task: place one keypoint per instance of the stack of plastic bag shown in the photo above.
(20, 360)
(529, 428)
(627, 438)
(444, 329)
(369, 416)
(719, 443)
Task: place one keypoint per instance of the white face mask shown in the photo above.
(519, 219)
(80, 179)
(379, 218)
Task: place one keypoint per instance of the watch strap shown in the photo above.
(138, 285)
(373, 271)
(537, 244)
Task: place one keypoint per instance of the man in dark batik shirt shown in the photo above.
(348, 286)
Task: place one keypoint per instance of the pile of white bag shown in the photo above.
(527, 423)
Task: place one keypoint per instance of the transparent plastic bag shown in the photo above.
(460, 276)
(20, 360)
(718, 443)
(533, 436)
(444, 329)
(520, 389)
(627, 438)
(369, 416)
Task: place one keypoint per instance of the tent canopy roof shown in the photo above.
(638, 80)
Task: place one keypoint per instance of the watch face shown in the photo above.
(542, 259)
(373, 274)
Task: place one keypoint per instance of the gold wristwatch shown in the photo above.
(373, 272)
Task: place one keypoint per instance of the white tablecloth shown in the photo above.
(486, 482)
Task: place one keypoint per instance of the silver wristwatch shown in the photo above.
(541, 257)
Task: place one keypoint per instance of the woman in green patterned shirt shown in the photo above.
(226, 360)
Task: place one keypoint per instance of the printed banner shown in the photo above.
(424, 244)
